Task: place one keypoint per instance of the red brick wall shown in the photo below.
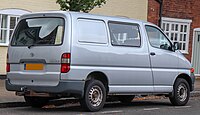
(183, 9)
(153, 11)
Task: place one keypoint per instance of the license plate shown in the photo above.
(33, 66)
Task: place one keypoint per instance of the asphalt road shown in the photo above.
(137, 107)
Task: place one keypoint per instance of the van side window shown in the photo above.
(92, 31)
(158, 39)
(123, 34)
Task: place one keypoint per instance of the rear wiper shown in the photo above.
(31, 46)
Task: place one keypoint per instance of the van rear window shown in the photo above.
(39, 31)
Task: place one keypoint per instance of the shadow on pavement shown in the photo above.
(74, 106)
(62, 106)
(13, 104)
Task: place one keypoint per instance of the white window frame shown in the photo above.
(10, 13)
(8, 29)
(179, 22)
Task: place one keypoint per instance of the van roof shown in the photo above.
(85, 15)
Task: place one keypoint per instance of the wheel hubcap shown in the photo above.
(95, 96)
(182, 92)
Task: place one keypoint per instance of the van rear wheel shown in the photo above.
(36, 102)
(94, 96)
(181, 93)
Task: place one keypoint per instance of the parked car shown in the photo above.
(68, 54)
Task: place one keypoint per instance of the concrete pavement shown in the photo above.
(197, 84)
(7, 96)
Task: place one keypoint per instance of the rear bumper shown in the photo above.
(64, 87)
(193, 81)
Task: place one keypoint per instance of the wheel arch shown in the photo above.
(99, 76)
(186, 77)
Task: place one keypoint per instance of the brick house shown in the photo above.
(181, 22)
(10, 10)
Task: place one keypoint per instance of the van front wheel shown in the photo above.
(181, 93)
(94, 96)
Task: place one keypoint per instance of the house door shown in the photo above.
(196, 53)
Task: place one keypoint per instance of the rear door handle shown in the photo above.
(32, 61)
(152, 53)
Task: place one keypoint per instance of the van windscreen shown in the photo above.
(38, 31)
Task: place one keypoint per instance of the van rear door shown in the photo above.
(35, 52)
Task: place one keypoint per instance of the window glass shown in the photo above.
(176, 27)
(3, 28)
(39, 31)
(124, 34)
(7, 24)
(172, 26)
(92, 31)
(185, 28)
(157, 38)
(167, 27)
(11, 31)
(13, 21)
(3, 36)
(4, 21)
(181, 28)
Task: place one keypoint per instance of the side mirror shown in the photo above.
(176, 46)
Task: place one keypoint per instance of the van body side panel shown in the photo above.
(124, 66)
(164, 66)
(164, 62)
(184, 68)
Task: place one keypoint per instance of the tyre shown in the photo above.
(36, 102)
(126, 99)
(94, 96)
(181, 93)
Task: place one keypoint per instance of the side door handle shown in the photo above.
(152, 53)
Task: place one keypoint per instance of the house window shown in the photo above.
(8, 20)
(177, 30)
(7, 24)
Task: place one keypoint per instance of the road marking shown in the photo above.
(182, 107)
(110, 112)
(151, 109)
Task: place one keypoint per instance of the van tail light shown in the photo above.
(65, 62)
(192, 70)
(8, 67)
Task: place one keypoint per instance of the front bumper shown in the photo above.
(64, 87)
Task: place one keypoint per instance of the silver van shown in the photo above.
(91, 57)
